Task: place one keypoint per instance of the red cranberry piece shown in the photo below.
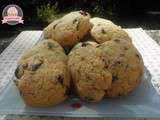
(76, 105)
(83, 13)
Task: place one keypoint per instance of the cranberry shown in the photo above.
(76, 105)
(83, 13)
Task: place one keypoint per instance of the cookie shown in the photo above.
(125, 65)
(105, 30)
(69, 29)
(89, 74)
(43, 78)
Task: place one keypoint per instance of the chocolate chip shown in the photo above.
(83, 13)
(118, 62)
(49, 45)
(98, 24)
(60, 79)
(125, 48)
(103, 59)
(35, 66)
(25, 65)
(87, 98)
(106, 66)
(78, 71)
(103, 31)
(54, 26)
(127, 66)
(105, 63)
(122, 55)
(119, 94)
(88, 77)
(114, 77)
(116, 40)
(78, 37)
(82, 58)
(74, 21)
(137, 56)
(19, 72)
(84, 44)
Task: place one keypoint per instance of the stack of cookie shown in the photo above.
(106, 65)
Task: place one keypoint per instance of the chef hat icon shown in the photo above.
(12, 11)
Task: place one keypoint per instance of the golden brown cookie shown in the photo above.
(105, 30)
(43, 77)
(69, 29)
(125, 65)
(89, 74)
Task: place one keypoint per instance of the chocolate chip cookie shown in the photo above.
(125, 65)
(89, 74)
(42, 75)
(69, 29)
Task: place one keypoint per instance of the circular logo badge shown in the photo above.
(12, 15)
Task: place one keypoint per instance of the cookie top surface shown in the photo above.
(105, 30)
(42, 47)
(101, 21)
